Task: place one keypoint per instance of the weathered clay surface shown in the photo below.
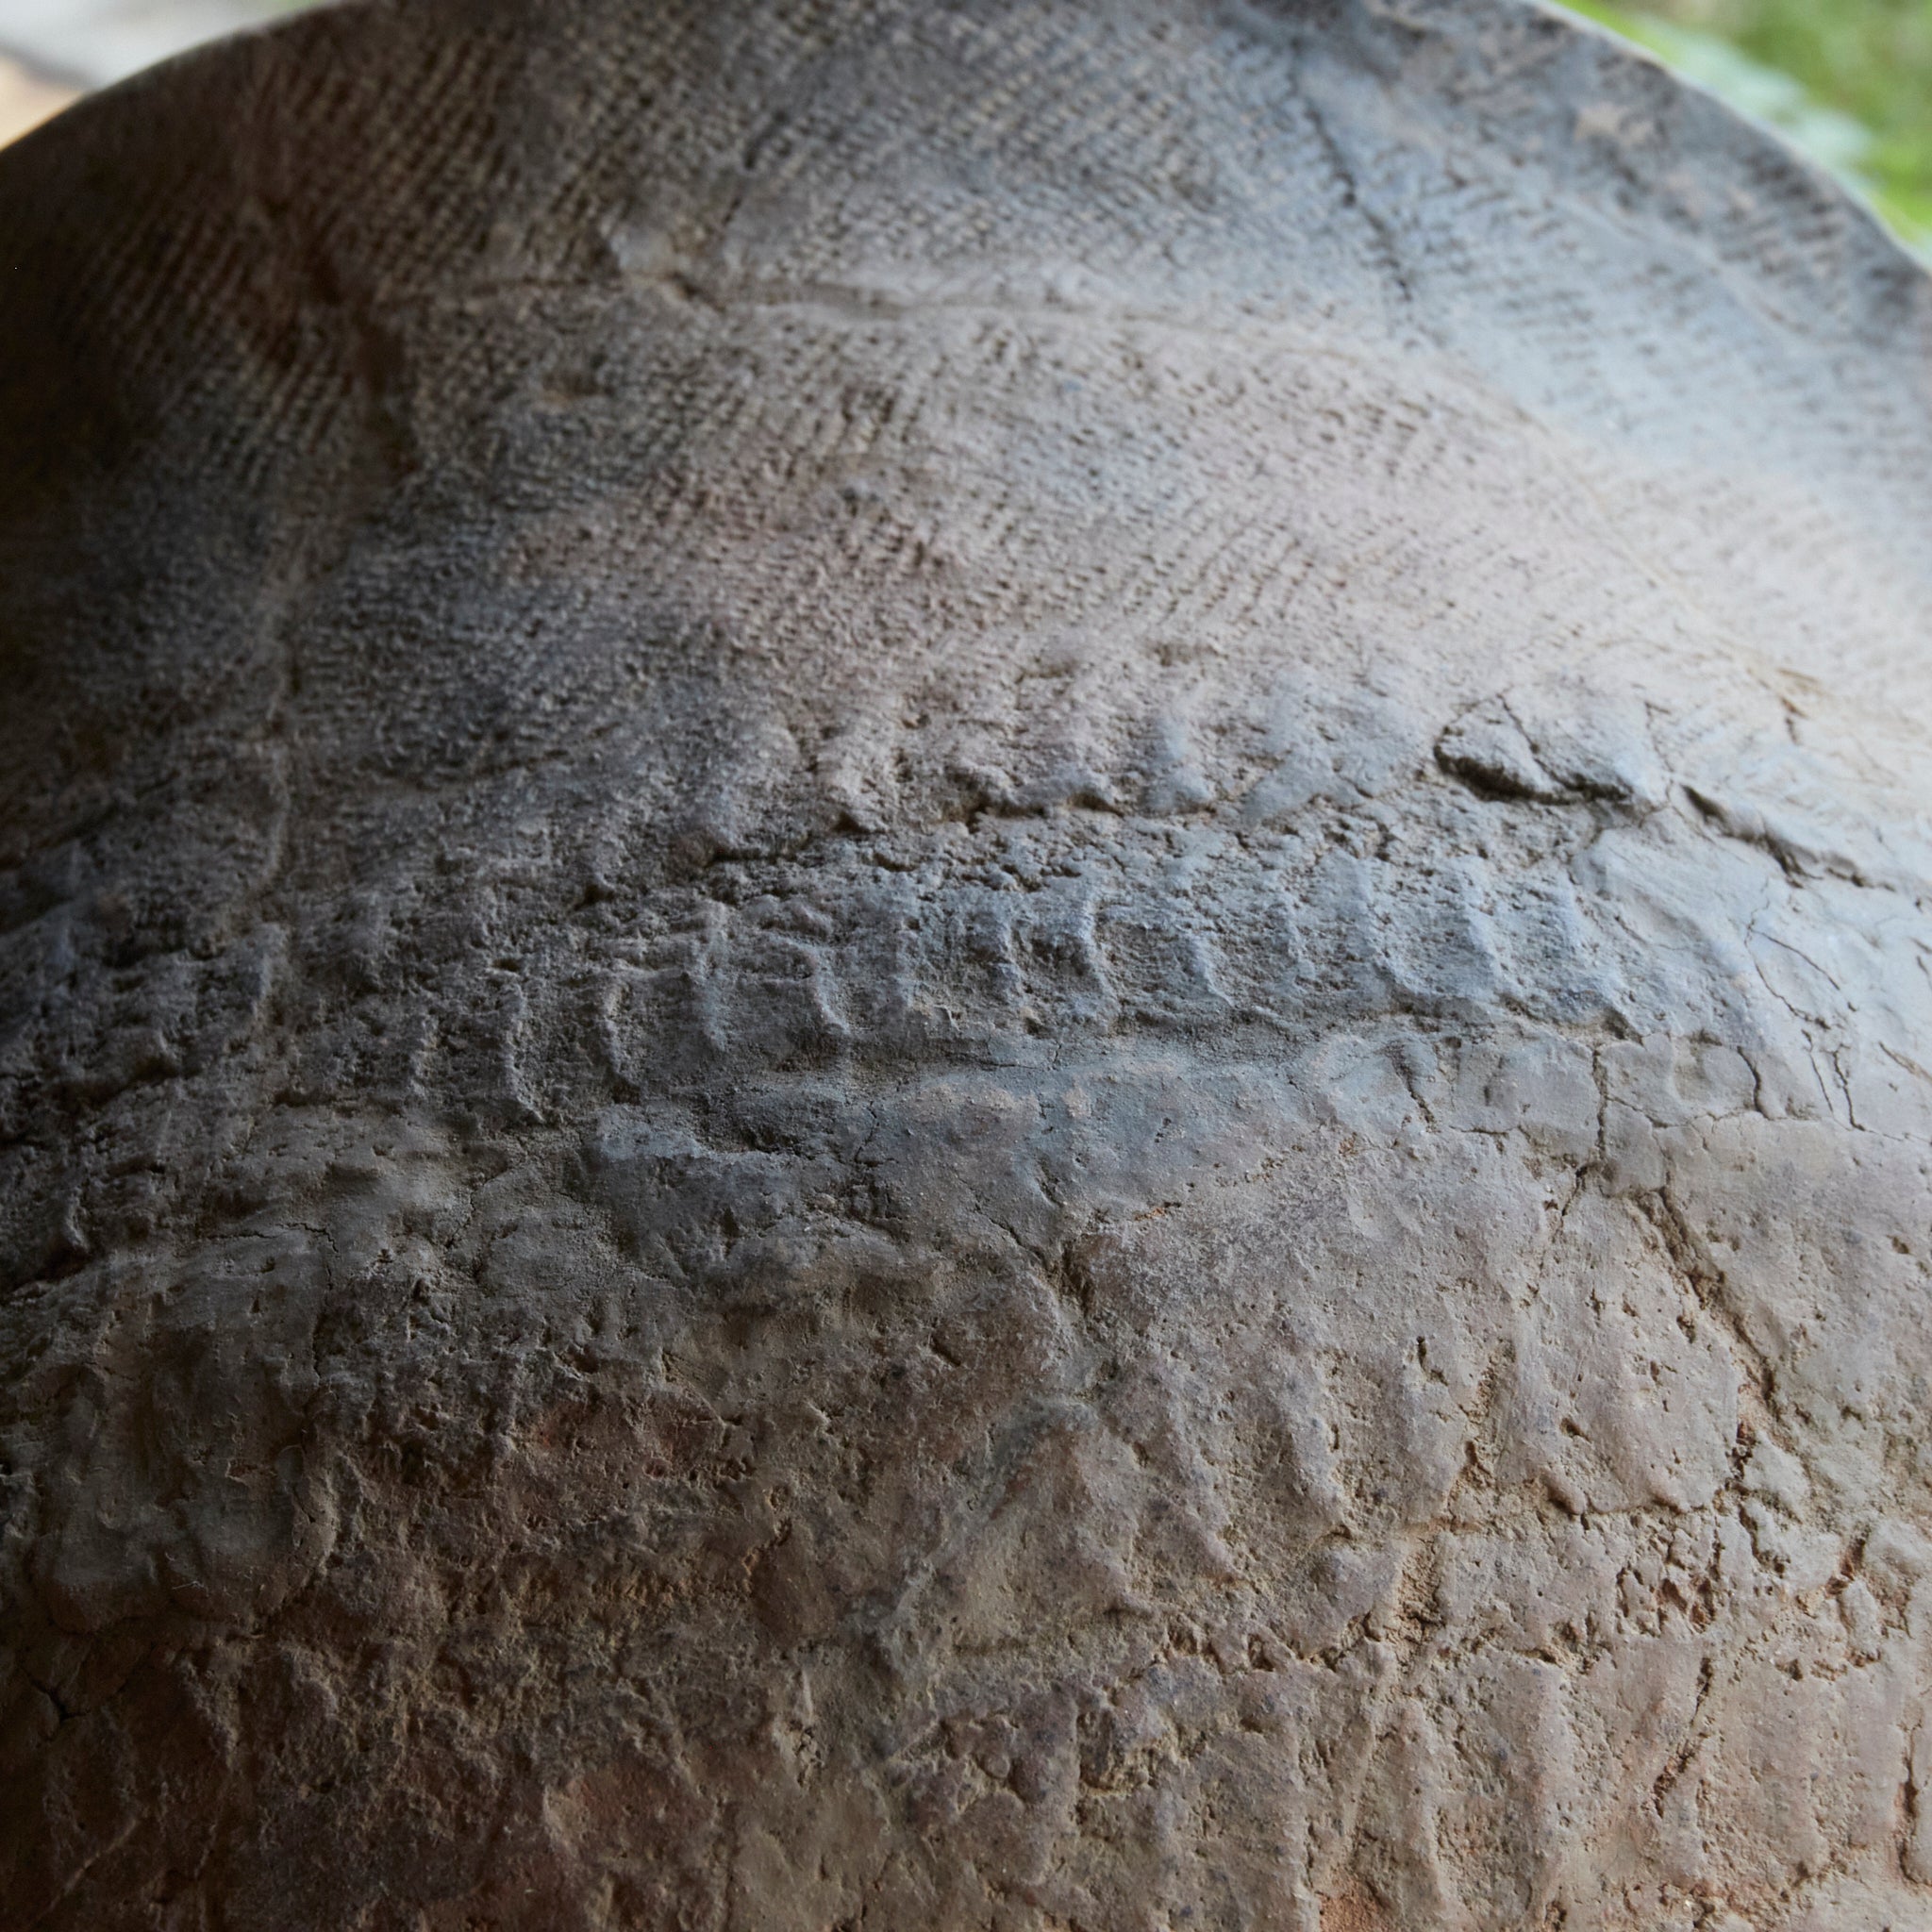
(964, 966)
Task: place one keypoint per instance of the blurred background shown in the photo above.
(53, 50)
(1848, 81)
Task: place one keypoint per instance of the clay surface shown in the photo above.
(961, 966)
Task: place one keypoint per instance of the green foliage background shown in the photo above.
(1849, 81)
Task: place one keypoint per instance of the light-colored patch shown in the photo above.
(26, 100)
(1353, 1911)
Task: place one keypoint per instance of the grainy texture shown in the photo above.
(964, 967)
